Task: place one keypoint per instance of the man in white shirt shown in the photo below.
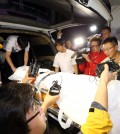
(63, 60)
(17, 52)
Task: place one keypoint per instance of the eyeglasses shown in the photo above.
(107, 49)
(39, 112)
(33, 117)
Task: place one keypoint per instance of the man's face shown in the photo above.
(105, 34)
(59, 48)
(94, 46)
(110, 50)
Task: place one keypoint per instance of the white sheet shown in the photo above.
(19, 73)
(78, 92)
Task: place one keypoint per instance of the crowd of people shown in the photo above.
(19, 111)
(97, 54)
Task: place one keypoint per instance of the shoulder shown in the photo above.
(69, 51)
(11, 40)
(58, 54)
(12, 37)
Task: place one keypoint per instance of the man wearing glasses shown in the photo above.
(20, 112)
(110, 48)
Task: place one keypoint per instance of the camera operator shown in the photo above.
(20, 112)
(98, 120)
(110, 48)
(94, 57)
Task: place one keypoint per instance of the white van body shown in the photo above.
(115, 23)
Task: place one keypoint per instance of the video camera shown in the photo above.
(79, 53)
(113, 67)
(55, 88)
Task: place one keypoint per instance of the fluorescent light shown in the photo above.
(78, 41)
(93, 28)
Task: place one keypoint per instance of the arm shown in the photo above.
(28, 79)
(8, 58)
(48, 101)
(56, 69)
(86, 57)
(102, 94)
(56, 63)
(98, 120)
(75, 69)
(26, 56)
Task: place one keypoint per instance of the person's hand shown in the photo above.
(59, 34)
(13, 69)
(49, 100)
(106, 75)
(28, 79)
(86, 57)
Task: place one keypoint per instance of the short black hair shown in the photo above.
(106, 28)
(22, 42)
(15, 101)
(96, 40)
(112, 40)
(60, 42)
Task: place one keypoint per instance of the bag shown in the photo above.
(2, 57)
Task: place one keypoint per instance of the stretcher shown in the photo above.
(76, 95)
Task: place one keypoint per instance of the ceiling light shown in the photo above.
(93, 28)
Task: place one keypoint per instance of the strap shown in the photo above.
(45, 77)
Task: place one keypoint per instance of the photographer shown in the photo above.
(94, 57)
(20, 112)
(98, 120)
(110, 48)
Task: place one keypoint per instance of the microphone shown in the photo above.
(80, 51)
(75, 53)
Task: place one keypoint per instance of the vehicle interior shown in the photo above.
(37, 21)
